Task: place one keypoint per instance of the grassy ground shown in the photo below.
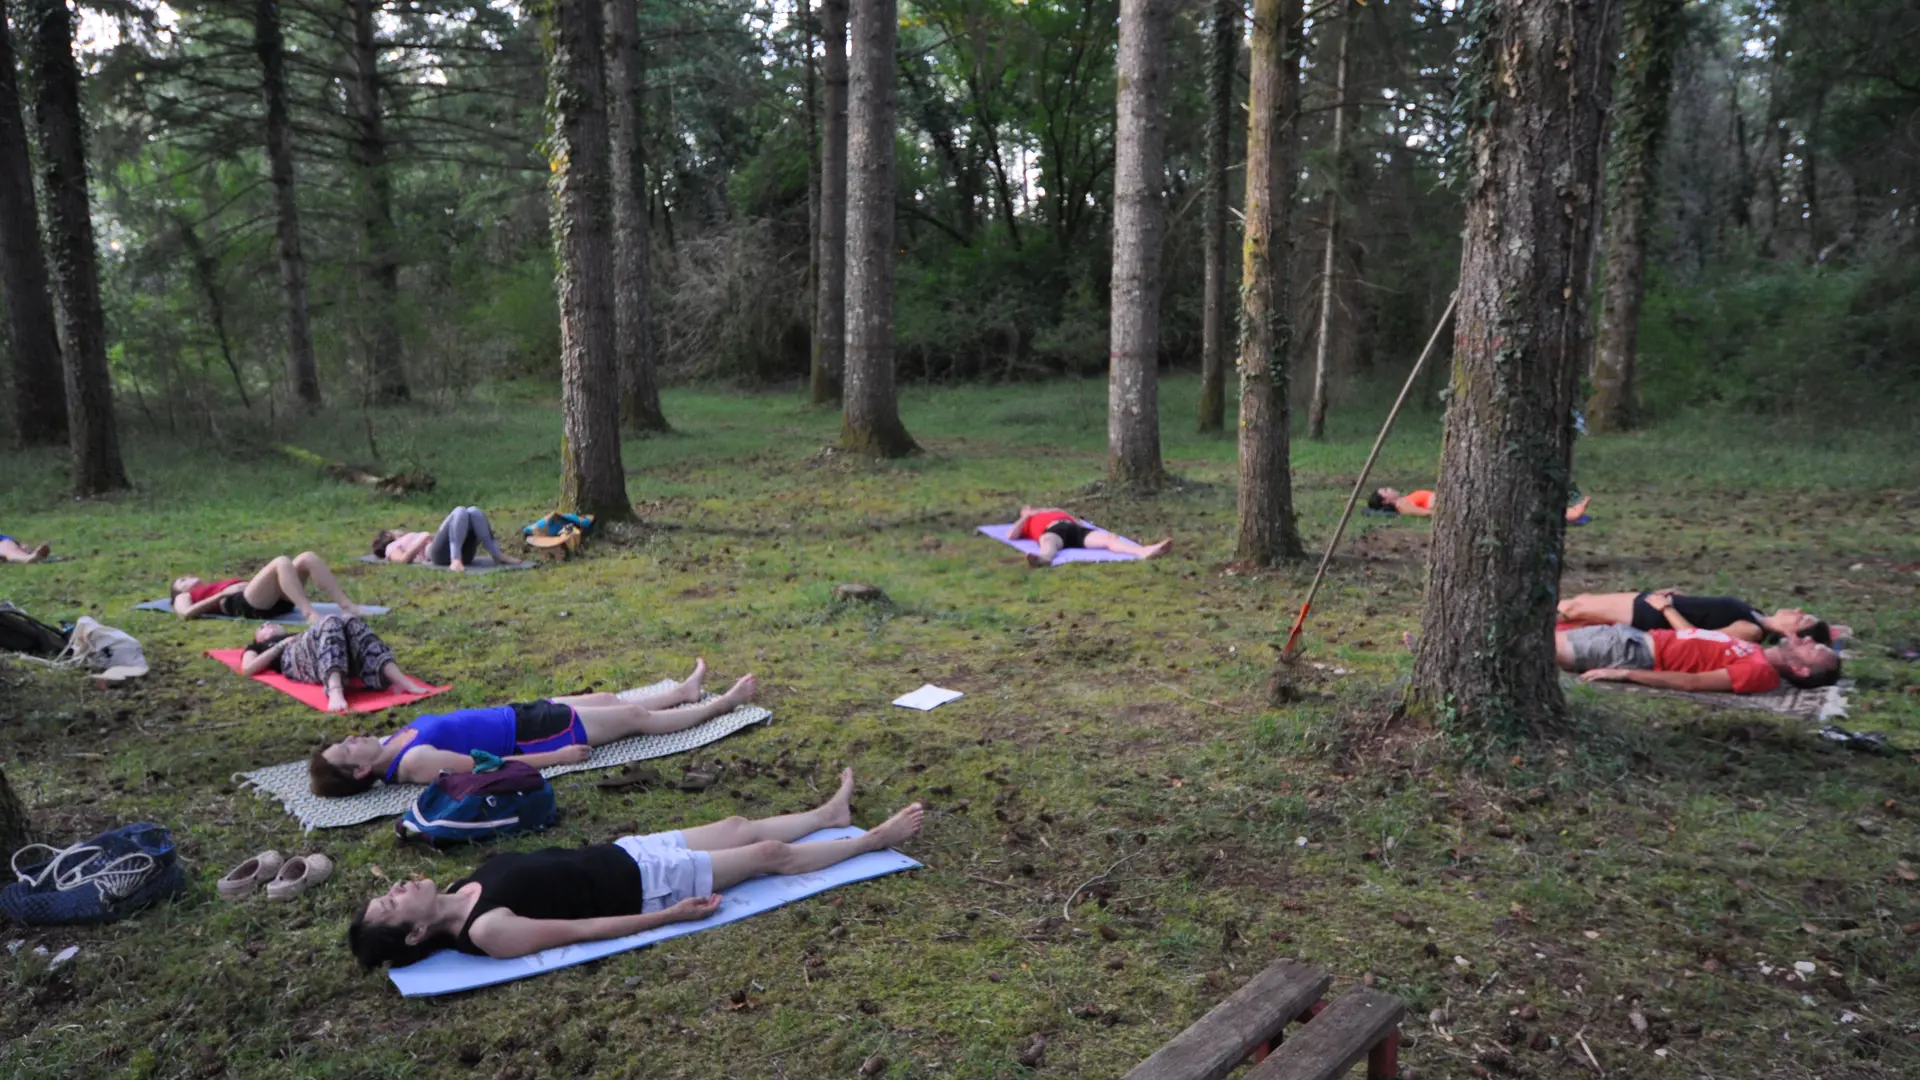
(1631, 897)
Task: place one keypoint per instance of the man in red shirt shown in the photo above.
(1056, 530)
(1686, 658)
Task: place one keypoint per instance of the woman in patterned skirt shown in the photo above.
(326, 654)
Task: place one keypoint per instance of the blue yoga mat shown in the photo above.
(449, 971)
(291, 618)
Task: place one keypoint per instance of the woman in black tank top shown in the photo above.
(517, 904)
(1726, 613)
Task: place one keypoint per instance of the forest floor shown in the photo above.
(1661, 870)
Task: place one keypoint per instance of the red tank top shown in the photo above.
(1039, 523)
(208, 588)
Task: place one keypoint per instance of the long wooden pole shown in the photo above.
(1293, 635)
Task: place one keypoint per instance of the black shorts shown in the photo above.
(1071, 533)
(235, 606)
(540, 721)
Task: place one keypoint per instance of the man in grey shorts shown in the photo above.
(1619, 646)
(1684, 657)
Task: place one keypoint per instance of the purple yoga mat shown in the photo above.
(999, 532)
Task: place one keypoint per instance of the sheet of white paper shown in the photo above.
(927, 697)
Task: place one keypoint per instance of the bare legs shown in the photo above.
(12, 551)
(397, 678)
(284, 577)
(607, 718)
(1051, 546)
(1598, 609)
(1579, 509)
(743, 849)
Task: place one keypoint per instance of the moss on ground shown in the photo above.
(1655, 860)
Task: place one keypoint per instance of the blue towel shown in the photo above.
(291, 618)
(448, 971)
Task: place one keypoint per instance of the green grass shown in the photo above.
(1114, 718)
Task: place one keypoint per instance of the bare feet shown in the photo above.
(336, 701)
(459, 565)
(901, 826)
(1154, 551)
(741, 692)
(839, 809)
(690, 687)
(409, 684)
(1038, 561)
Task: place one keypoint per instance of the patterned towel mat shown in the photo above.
(288, 782)
(1821, 705)
(481, 564)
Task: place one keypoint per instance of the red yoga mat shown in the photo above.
(359, 698)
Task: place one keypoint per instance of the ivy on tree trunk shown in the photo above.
(592, 478)
(1536, 84)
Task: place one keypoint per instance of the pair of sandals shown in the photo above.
(284, 879)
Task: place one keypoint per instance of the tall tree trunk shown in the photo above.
(592, 478)
(303, 376)
(1133, 380)
(1652, 32)
(870, 417)
(810, 102)
(206, 271)
(1538, 86)
(1337, 168)
(387, 366)
(830, 310)
(92, 433)
(1268, 531)
(15, 831)
(632, 288)
(1223, 55)
(39, 392)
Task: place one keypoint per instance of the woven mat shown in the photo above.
(1824, 704)
(288, 783)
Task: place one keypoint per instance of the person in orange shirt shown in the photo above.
(1055, 530)
(1420, 503)
(1687, 658)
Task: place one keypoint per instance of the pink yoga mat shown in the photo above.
(359, 698)
(1003, 533)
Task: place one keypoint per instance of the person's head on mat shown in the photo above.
(1384, 499)
(551, 731)
(380, 541)
(1696, 661)
(520, 903)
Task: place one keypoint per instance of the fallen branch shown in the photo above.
(1066, 910)
(395, 484)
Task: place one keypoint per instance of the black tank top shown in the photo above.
(554, 883)
(1705, 612)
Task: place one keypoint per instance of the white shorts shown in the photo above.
(669, 873)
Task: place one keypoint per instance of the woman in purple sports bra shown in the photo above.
(552, 731)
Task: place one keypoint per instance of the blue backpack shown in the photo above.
(496, 799)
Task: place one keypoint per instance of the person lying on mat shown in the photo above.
(519, 903)
(552, 731)
(1735, 616)
(460, 535)
(278, 588)
(1685, 658)
(1420, 503)
(1055, 530)
(12, 550)
(326, 654)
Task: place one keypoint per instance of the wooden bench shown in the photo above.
(1253, 1022)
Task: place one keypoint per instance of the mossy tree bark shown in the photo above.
(830, 296)
(1652, 30)
(1268, 531)
(1336, 180)
(303, 376)
(15, 832)
(632, 293)
(92, 433)
(1133, 378)
(1537, 81)
(385, 362)
(39, 389)
(870, 415)
(592, 478)
(1223, 56)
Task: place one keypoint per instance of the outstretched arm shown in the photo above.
(504, 935)
(1691, 681)
(566, 755)
(1405, 505)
